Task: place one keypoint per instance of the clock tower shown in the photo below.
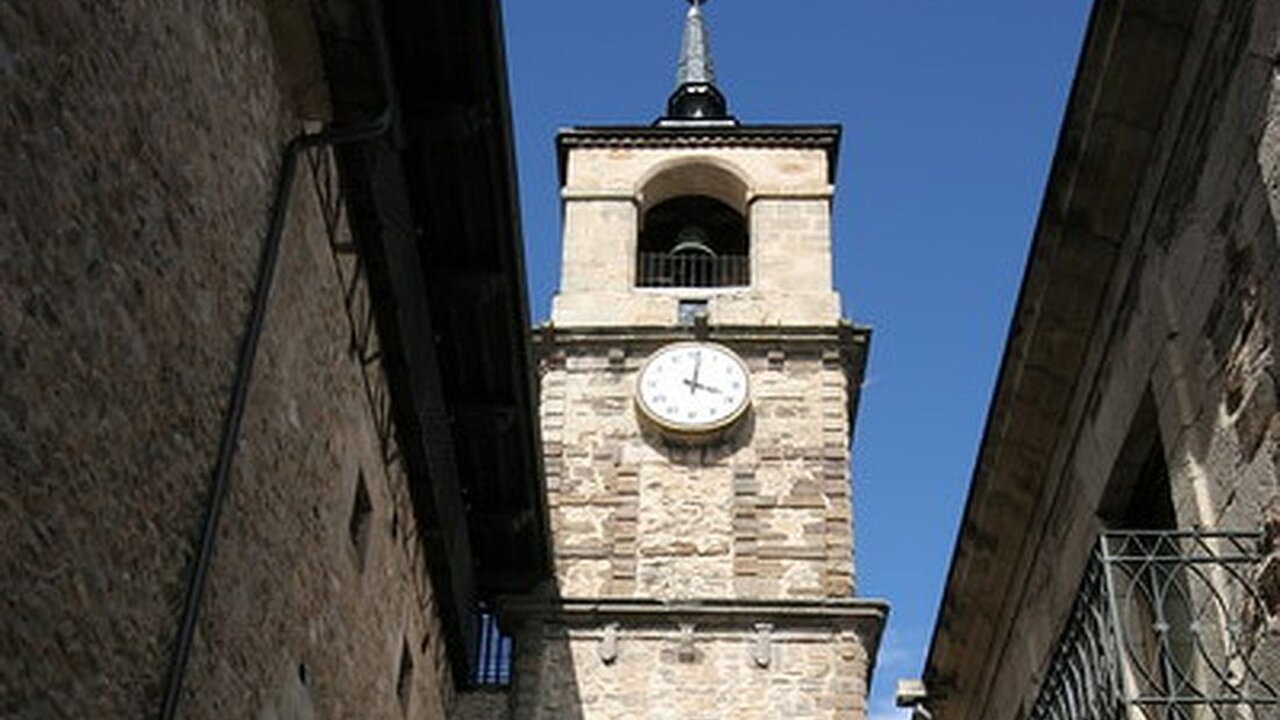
(698, 394)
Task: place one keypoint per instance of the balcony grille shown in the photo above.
(1157, 633)
(491, 654)
(692, 271)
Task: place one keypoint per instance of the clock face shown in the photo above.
(693, 387)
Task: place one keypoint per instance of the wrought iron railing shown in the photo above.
(491, 652)
(692, 271)
(1157, 632)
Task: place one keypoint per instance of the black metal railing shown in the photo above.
(1157, 632)
(692, 271)
(492, 654)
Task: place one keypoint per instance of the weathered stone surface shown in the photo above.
(1174, 352)
(654, 661)
(784, 192)
(697, 514)
(760, 513)
(141, 143)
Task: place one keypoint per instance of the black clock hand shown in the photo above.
(697, 365)
(695, 385)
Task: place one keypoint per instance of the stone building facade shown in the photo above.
(1133, 444)
(702, 569)
(143, 146)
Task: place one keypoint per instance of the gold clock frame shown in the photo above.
(695, 431)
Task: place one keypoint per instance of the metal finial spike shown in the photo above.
(695, 50)
(696, 98)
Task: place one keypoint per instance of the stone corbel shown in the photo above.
(608, 649)
(617, 358)
(762, 648)
(701, 325)
(686, 652)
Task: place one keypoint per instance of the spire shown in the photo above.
(695, 50)
(696, 98)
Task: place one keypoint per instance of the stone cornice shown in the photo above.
(619, 194)
(824, 137)
(846, 333)
(790, 621)
(865, 616)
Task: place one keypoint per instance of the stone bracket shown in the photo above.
(762, 649)
(686, 652)
(608, 649)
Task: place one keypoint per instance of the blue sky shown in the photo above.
(951, 112)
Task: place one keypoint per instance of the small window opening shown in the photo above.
(1138, 494)
(1152, 592)
(1151, 505)
(493, 652)
(693, 241)
(688, 312)
(404, 678)
(358, 523)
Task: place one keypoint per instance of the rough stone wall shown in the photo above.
(811, 674)
(764, 514)
(142, 140)
(1215, 290)
(1197, 331)
(334, 637)
(783, 193)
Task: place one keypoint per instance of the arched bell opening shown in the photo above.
(693, 241)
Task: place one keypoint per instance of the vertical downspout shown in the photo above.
(220, 484)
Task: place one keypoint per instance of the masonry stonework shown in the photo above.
(785, 192)
(766, 514)
(720, 673)
(709, 578)
(142, 142)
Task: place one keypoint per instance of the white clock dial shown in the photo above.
(693, 387)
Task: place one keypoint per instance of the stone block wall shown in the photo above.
(764, 513)
(657, 673)
(142, 141)
(783, 193)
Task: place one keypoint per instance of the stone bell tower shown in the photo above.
(699, 390)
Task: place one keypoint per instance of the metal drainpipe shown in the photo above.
(330, 136)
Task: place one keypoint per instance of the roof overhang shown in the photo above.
(433, 208)
(1130, 63)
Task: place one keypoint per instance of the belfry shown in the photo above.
(699, 389)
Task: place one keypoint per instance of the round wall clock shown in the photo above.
(693, 388)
